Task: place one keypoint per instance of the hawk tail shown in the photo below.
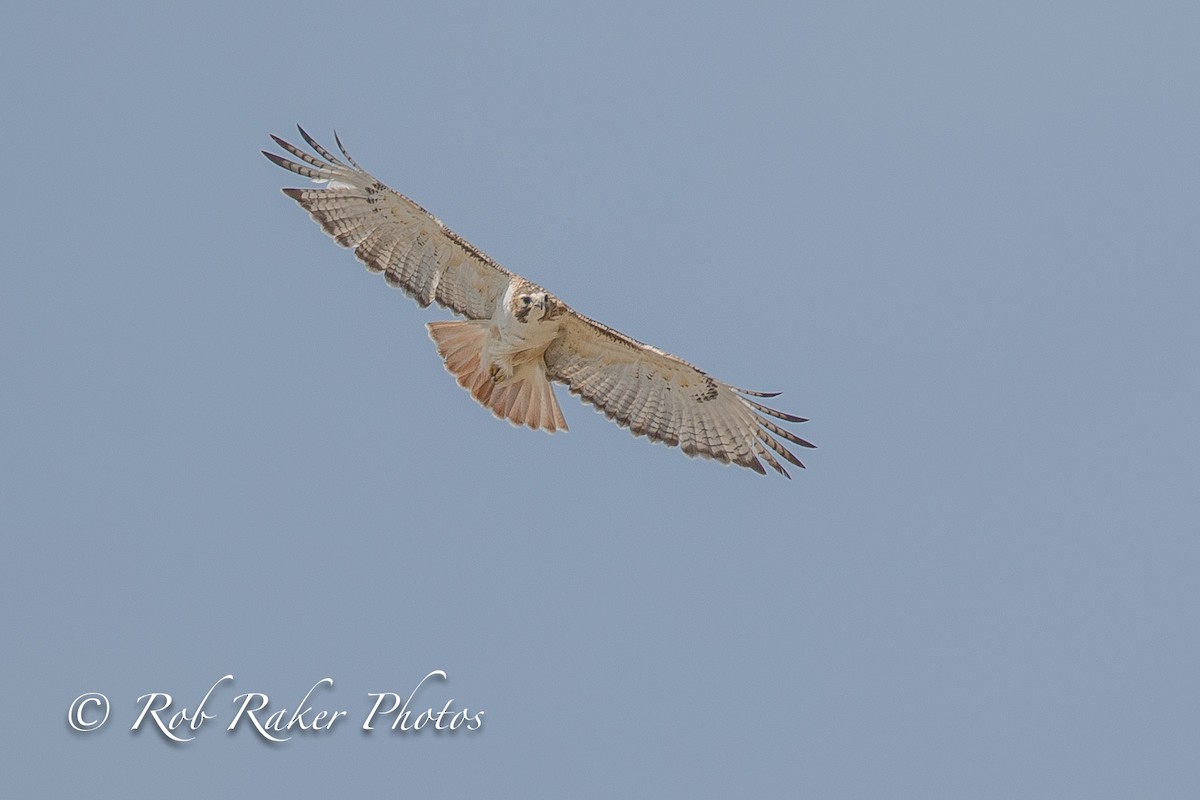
(527, 398)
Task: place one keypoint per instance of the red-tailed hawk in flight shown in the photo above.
(517, 337)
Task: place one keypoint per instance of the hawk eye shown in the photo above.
(525, 299)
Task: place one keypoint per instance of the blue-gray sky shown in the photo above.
(963, 240)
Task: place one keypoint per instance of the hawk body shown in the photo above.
(501, 361)
(517, 338)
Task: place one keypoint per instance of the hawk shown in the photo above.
(516, 338)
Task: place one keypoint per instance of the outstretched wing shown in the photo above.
(393, 235)
(666, 399)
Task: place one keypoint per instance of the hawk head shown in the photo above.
(535, 305)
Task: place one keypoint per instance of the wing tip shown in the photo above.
(275, 159)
